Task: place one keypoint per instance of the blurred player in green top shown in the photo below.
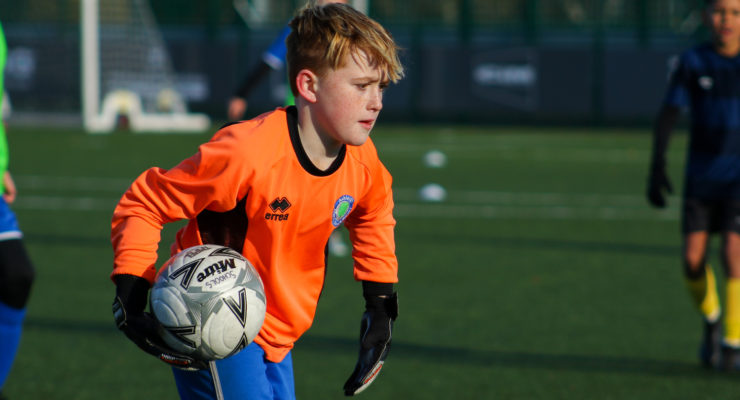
(272, 59)
(16, 271)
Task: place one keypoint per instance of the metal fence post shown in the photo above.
(642, 23)
(531, 22)
(465, 22)
(597, 89)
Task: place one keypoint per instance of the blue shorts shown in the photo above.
(246, 375)
(8, 223)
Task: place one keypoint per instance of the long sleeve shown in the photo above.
(208, 180)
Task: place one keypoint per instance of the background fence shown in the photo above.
(573, 61)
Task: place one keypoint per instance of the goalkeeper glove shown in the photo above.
(658, 186)
(141, 327)
(375, 340)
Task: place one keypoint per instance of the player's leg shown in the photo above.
(11, 323)
(16, 274)
(281, 378)
(245, 375)
(16, 278)
(700, 278)
(731, 260)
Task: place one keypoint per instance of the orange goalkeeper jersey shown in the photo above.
(253, 188)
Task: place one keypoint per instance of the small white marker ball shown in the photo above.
(435, 159)
(432, 192)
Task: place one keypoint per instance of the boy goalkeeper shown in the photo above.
(314, 166)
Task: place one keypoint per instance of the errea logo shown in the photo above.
(278, 207)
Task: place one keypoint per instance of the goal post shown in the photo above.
(127, 72)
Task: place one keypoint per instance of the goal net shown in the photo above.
(127, 73)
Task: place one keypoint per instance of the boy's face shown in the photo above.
(723, 17)
(349, 100)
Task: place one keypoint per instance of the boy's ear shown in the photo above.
(306, 82)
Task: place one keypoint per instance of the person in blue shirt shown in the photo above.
(706, 81)
(272, 59)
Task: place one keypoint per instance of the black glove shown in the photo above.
(141, 327)
(375, 340)
(658, 186)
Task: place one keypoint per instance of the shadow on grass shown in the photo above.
(446, 354)
(524, 360)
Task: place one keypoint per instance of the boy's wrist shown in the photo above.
(376, 289)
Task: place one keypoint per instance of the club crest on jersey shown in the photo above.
(342, 207)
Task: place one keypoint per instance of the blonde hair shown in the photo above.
(323, 37)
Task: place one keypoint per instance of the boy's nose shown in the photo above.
(376, 101)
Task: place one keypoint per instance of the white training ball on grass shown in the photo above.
(210, 301)
(432, 192)
(435, 159)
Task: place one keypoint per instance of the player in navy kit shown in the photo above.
(707, 82)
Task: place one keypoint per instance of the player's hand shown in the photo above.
(141, 327)
(375, 341)
(658, 186)
(10, 190)
(237, 107)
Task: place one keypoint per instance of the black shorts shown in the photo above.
(710, 215)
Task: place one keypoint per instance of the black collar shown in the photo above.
(300, 152)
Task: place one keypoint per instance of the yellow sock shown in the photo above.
(704, 292)
(732, 317)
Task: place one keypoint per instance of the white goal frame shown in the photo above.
(101, 116)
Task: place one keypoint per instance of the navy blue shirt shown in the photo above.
(709, 85)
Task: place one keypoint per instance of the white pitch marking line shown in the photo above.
(460, 203)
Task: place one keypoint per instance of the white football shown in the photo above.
(210, 301)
